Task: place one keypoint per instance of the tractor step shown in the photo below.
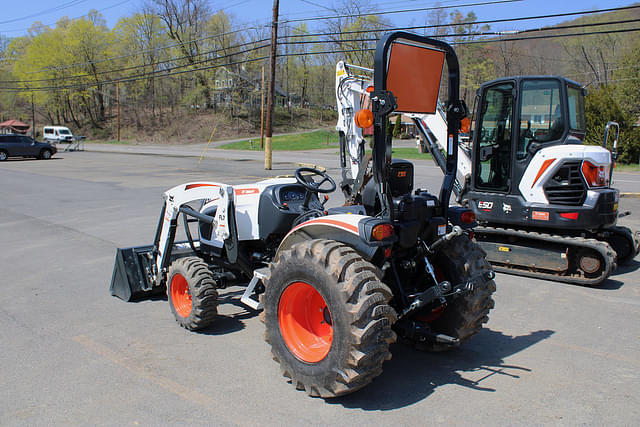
(247, 299)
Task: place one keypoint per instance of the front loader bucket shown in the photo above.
(132, 274)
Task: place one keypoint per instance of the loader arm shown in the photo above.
(176, 199)
(141, 271)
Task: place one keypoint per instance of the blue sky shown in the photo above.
(17, 17)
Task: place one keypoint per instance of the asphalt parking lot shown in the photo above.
(71, 353)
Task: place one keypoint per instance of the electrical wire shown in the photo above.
(46, 11)
(113, 58)
(481, 33)
(15, 30)
(486, 22)
(345, 32)
(130, 79)
(391, 12)
(172, 59)
(169, 70)
(155, 73)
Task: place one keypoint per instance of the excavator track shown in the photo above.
(569, 259)
(625, 242)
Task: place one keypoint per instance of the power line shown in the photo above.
(350, 32)
(133, 67)
(483, 41)
(46, 11)
(143, 75)
(391, 12)
(548, 36)
(113, 58)
(15, 30)
(474, 34)
(492, 21)
(161, 74)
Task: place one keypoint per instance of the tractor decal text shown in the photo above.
(246, 191)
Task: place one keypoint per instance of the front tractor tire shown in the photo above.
(192, 293)
(327, 318)
(460, 260)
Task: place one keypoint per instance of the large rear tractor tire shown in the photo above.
(327, 318)
(459, 260)
(192, 293)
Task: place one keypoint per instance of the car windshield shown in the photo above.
(64, 132)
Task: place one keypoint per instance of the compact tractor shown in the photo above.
(543, 200)
(336, 286)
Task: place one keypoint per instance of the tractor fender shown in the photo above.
(352, 230)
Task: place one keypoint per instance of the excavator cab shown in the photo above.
(517, 117)
(529, 166)
(542, 198)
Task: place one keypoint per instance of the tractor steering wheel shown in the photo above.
(315, 187)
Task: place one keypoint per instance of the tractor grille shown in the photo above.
(566, 187)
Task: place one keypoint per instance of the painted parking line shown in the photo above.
(167, 384)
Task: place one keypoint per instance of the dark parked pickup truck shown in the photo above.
(23, 146)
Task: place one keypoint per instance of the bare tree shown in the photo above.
(186, 21)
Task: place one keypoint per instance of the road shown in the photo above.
(72, 354)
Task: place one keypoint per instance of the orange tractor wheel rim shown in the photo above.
(180, 295)
(305, 322)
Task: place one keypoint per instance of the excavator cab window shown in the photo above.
(541, 114)
(493, 155)
(575, 101)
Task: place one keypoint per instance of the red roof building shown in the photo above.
(14, 126)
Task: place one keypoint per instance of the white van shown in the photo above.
(57, 134)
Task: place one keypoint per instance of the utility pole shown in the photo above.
(272, 83)
(118, 105)
(33, 119)
(262, 111)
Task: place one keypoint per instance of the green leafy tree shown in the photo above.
(602, 106)
(628, 77)
(397, 128)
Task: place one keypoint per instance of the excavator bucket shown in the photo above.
(132, 274)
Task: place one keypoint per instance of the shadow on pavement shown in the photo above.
(230, 322)
(631, 266)
(412, 375)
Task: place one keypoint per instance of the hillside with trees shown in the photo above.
(176, 70)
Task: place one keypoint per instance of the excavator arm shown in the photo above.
(352, 97)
